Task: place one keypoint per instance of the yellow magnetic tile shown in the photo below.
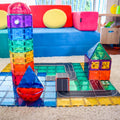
(63, 102)
(115, 100)
(104, 101)
(5, 70)
(91, 102)
(77, 101)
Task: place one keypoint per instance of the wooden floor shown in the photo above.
(112, 51)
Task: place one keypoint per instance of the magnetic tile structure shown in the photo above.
(82, 92)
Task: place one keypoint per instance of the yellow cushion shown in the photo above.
(54, 18)
(3, 19)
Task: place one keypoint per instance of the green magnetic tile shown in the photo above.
(60, 71)
(74, 88)
(86, 88)
(41, 70)
(105, 83)
(74, 83)
(81, 74)
(51, 71)
(78, 70)
(82, 78)
(51, 67)
(51, 74)
(84, 82)
(110, 87)
(36, 67)
(60, 67)
(42, 67)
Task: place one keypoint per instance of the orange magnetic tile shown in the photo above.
(94, 75)
(104, 74)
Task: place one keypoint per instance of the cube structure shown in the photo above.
(20, 37)
(99, 63)
(85, 21)
(62, 82)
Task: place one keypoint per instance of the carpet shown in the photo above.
(77, 113)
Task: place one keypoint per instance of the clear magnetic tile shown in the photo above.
(2, 78)
(50, 88)
(50, 83)
(5, 88)
(8, 78)
(42, 95)
(50, 95)
(41, 78)
(1, 82)
(8, 102)
(2, 94)
(7, 83)
(50, 102)
(10, 95)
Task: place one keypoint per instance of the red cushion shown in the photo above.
(39, 10)
(4, 7)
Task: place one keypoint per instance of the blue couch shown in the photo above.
(56, 42)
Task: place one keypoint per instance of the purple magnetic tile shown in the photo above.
(28, 20)
(19, 18)
(105, 61)
(8, 21)
(86, 59)
(91, 64)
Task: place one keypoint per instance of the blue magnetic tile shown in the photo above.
(0, 99)
(4, 73)
(50, 88)
(4, 88)
(7, 83)
(10, 95)
(50, 102)
(33, 80)
(8, 102)
(50, 95)
(2, 94)
(50, 83)
(41, 74)
(8, 78)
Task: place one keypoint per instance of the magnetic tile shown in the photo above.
(50, 95)
(63, 102)
(7, 102)
(42, 95)
(77, 102)
(1, 82)
(2, 94)
(50, 88)
(50, 83)
(50, 102)
(4, 88)
(5, 83)
(2, 78)
(115, 100)
(74, 88)
(104, 101)
(73, 83)
(8, 78)
(91, 101)
(10, 95)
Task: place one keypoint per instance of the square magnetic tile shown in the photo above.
(77, 102)
(50, 83)
(2, 94)
(8, 102)
(1, 82)
(63, 102)
(5, 88)
(50, 95)
(50, 88)
(8, 78)
(6, 83)
(2, 78)
(10, 95)
(50, 102)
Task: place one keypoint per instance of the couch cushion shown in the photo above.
(3, 19)
(39, 10)
(54, 18)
